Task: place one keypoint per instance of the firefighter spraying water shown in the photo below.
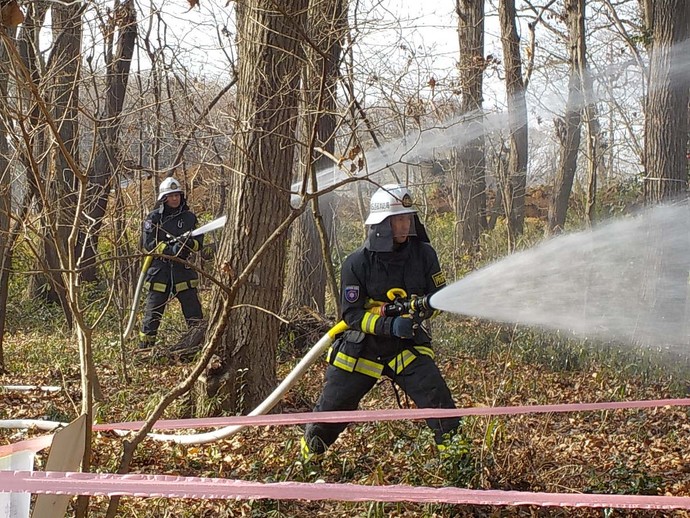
(384, 289)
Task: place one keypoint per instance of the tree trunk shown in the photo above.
(595, 161)
(514, 198)
(568, 127)
(665, 152)
(262, 156)
(59, 129)
(307, 276)
(27, 42)
(105, 166)
(5, 187)
(666, 121)
(647, 12)
(469, 183)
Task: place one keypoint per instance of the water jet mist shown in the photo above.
(626, 280)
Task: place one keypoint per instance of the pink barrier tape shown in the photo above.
(216, 488)
(359, 416)
(33, 445)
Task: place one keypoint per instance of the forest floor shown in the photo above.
(613, 452)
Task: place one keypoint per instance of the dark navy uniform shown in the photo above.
(167, 278)
(368, 349)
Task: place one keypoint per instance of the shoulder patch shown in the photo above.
(352, 293)
(148, 225)
(439, 279)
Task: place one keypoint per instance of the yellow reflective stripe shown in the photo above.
(427, 351)
(146, 338)
(328, 354)
(345, 362)
(369, 368)
(351, 364)
(181, 286)
(369, 322)
(401, 361)
(156, 286)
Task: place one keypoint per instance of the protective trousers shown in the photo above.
(421, 381)
(155, 307)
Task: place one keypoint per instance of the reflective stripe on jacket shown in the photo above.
(373, 368)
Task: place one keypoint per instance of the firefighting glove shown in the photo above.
(403, 327)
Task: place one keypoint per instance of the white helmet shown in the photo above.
(389, 200)
(169, 186)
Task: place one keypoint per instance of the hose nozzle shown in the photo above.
(419, 306)
(416, 306)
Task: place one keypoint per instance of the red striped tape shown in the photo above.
(359, 416)
(36, 444)
(215, 488)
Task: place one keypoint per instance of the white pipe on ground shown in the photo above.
(28, 388)
(32, 423)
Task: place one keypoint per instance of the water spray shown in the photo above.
(625, 281)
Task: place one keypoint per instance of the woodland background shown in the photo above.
(577, 114)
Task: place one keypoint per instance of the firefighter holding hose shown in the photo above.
(396, 262)
(167, 231)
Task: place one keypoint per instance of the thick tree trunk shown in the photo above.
(515, 184)
(666, 120)
(665, 151)
(568, 127)
(469, 182)
(263, 154)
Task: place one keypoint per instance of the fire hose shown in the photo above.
(272, 400)
(417, 308)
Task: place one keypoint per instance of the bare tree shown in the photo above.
(5, 185)
(104, 169)
(514, 186)
(568, 127)
(309, 259)
(469, 183)
(262, 159)
(594, 147)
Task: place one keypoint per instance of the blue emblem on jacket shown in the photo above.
(351, 293)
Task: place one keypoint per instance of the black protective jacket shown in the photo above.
(159, 225)
(367, 276)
